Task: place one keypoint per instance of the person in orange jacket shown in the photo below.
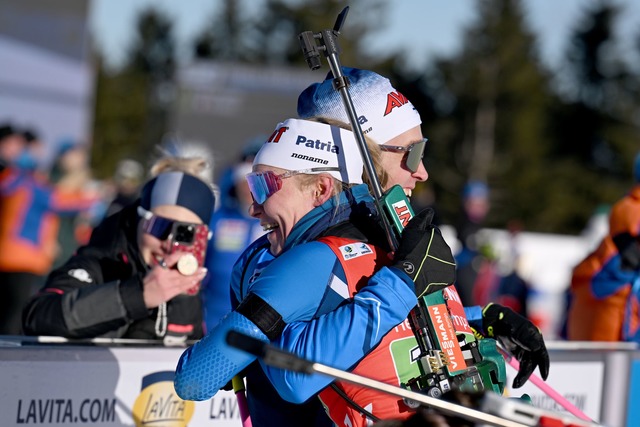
(605, 285)
(30, 209)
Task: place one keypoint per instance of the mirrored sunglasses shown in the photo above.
(161, 227)
(413, 153)
(265, 184)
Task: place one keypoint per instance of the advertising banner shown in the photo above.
(55, 385)
(99, 386)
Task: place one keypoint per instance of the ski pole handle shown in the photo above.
(238, 388)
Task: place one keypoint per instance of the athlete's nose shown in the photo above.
(255, 209)
(421, 174)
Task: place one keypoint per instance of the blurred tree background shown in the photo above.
(552, 145)
(133, 104)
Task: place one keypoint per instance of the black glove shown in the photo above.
(424, 255)
(629, 248)
(520, 336)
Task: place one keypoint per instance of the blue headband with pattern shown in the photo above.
(181, 189)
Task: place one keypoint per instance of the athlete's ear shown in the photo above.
(323, 189)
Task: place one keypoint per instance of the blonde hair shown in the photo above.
(188, 157)
(195, 166)
(374, 151)
(179, 156)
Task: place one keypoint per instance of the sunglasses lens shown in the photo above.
(158, 227)
(262, 185)
(414, 157)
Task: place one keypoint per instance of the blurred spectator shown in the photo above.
(29, 158)
(29, 222)
(477, 271)
(513, 290)
(70, 175)
(233, 230)
(12, 145)
(486, 276)
(127, 179)
(183, 153)
(475, 206)
(128, 282)
(423, 197)
(605, 286)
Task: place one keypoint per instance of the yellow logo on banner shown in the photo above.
(159, 405)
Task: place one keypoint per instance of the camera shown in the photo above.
(184, 233)
(192, 239)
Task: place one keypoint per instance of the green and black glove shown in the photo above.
(520, 336)
(424, 255)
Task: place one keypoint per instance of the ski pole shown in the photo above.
(238, 388)
(278, 358)
(545, 388)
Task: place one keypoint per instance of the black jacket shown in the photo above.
(98, 291)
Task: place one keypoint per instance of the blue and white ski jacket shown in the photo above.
(298, 285)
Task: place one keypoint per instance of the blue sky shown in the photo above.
(421, 27)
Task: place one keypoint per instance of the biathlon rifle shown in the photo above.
(449, 355)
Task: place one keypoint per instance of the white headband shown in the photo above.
(303, 144)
